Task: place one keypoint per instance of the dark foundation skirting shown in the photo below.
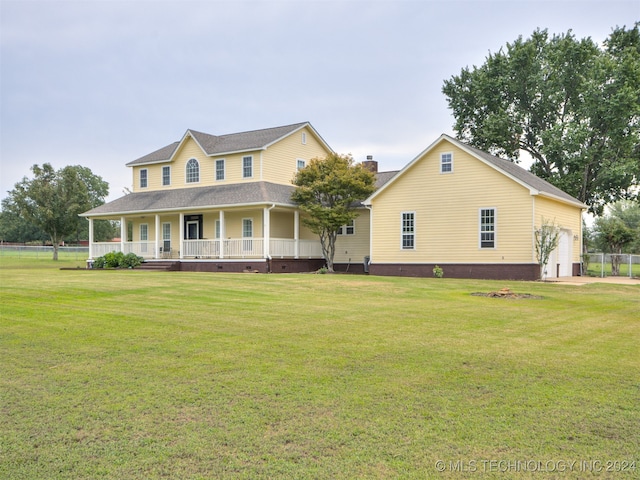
(487, 271)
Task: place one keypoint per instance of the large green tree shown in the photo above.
(52, 200)
(328, 190)
(571, 105)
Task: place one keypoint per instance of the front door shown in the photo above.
(193, 230)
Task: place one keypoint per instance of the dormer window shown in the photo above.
(446, 163)
(193, 171)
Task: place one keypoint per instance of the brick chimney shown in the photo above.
(370, 164)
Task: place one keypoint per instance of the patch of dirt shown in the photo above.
(505, 293)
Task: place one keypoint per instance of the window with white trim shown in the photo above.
(193, 171)
(217, 229)
(166, 176)
(166, 238)
(144, 236)
(144, 176)
(220, 169)
(144, 232)
(408, 230)
(487, 227)
(247, 234)
(301, 164)
(348, 229)
(247, 167)
(446, 162)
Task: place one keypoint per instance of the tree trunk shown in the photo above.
(615, 263)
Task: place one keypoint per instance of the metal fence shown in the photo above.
(43, 252)
(608, 264)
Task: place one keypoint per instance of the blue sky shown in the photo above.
(101, 83)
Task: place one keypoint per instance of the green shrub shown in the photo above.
(118, 260)
(99, 262)
(131, 260)
(113, 259)
(438, 272)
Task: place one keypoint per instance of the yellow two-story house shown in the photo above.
(219, 203)
(223, 203)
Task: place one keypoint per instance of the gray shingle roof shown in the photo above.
(518, 172)
(219, 144)
(505, 166)
(197, 197)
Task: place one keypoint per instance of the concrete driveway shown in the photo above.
(585, 280)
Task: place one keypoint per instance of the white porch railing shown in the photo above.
(243, 247)
(142, 249)
(101, 248)
(201, 248)
(232, 248)
(286, 248)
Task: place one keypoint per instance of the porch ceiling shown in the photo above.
(254, 193)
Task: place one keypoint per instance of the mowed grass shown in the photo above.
(133, 374)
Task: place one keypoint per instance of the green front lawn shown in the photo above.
(133, 374)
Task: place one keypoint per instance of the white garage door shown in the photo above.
(564, 254)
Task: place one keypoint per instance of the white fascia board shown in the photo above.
(181, 142)
(186, 209)
(563, 200)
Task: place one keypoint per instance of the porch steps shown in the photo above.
(160, 266)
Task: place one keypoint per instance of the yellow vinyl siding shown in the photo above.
(277, 164)
(354, 248)
(446, 210)
(280, 159)
(187, 151)
(565, 216)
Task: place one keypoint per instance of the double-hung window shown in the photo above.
(166, 176)
(446, 163)
(144, 178)
(408, 230)
(247, 234)
(144, 236)
(220, 169)
(301, 164)
(247, 167)
(487, 227)
(193, 171)
(348, 229)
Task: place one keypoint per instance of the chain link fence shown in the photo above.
(611, 265)
(43, 252)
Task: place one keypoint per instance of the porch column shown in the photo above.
(181, 236)
(266, 231)
(123, 233)
(157, 252)
(90, 237)
(223, 233)
(296, 233)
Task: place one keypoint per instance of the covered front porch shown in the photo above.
(234, 234)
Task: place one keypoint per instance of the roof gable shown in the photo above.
(534, 184)
(231, 143)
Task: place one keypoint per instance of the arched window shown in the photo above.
(193, 171)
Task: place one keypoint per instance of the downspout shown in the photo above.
(370, 208)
